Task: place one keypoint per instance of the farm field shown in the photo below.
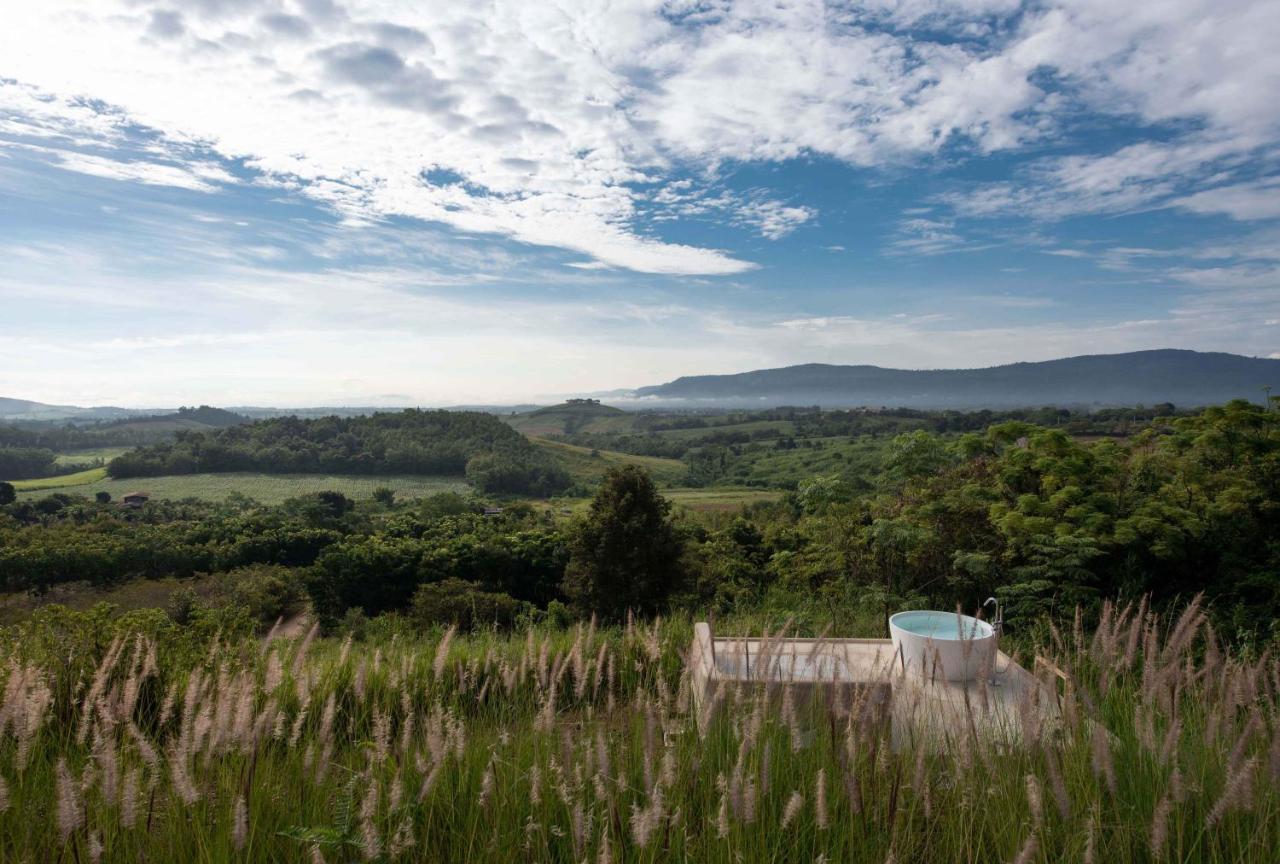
(62, 481)
(79, 457)
(585, 468)
(776, 428)
(267, 488)
(720, 498)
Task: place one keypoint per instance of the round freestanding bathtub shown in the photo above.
(944, 645)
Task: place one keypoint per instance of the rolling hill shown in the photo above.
(27, 410)
(1185, 378)
(576, 415)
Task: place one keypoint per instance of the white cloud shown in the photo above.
(1259, 200)
(546, 116)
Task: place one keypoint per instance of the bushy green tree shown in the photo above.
(625, 553)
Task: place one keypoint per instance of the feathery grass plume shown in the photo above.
(1035, 800)
(1090, 840)
(402, 840)
(645, 820)
(1274, 759)
(31, 712)
(129, 792)
(1104, 766)
(750, 798)
(1237, 794)
(70, 813)
(1159, 835)
(4, 795)
(1029, 849)
(820, 810)
(239, 824)
(370, 843)
(429, 782)
(1189, 623)
(1243, 740)
(1057, 786)
(300, 657)
(95, 847)
(722, 813)
(794, 805)
(486, 783)
(1172, 737)
(605, 854)
(97, 686)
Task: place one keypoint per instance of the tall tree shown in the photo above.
(625, 554)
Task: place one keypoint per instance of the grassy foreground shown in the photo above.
(156, 743)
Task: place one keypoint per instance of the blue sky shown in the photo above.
(296, 202)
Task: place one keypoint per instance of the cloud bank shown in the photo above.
(564, 124)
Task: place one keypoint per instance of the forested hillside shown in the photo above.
(491, 454)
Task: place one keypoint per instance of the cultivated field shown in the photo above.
(719, 498)
(586, 468)
(62, 482)
(78, 457)
(162, 743)
(267, 488)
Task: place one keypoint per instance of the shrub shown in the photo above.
(454, 601)
(267, 591)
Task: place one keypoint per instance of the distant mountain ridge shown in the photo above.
(26, 409)
(1185, 378)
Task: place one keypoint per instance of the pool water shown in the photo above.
(942, 625)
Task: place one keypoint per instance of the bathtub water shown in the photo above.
(943, 644)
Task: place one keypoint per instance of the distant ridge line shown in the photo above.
(1183, 377)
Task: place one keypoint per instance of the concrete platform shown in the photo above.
(867, 677)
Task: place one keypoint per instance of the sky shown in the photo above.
(355, 202)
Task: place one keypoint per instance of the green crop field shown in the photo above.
(778, 429)
(720, 498)
(586, 468)
(267, 488)
(62, 481)
(79, 457)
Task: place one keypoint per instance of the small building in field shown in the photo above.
(134, 499)
(493, 511)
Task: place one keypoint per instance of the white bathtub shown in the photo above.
(943, 645)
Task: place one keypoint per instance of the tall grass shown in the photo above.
(583, 745)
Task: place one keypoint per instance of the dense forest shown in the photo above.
(1043, 520)
(493, 456)
(734, 428)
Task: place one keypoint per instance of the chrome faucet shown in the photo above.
(997, 623)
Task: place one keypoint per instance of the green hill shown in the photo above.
(569, 418)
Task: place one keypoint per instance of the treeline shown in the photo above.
(1043, 521)
(61, 436)
(725, 429)
(21, 463)
(490, 453)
